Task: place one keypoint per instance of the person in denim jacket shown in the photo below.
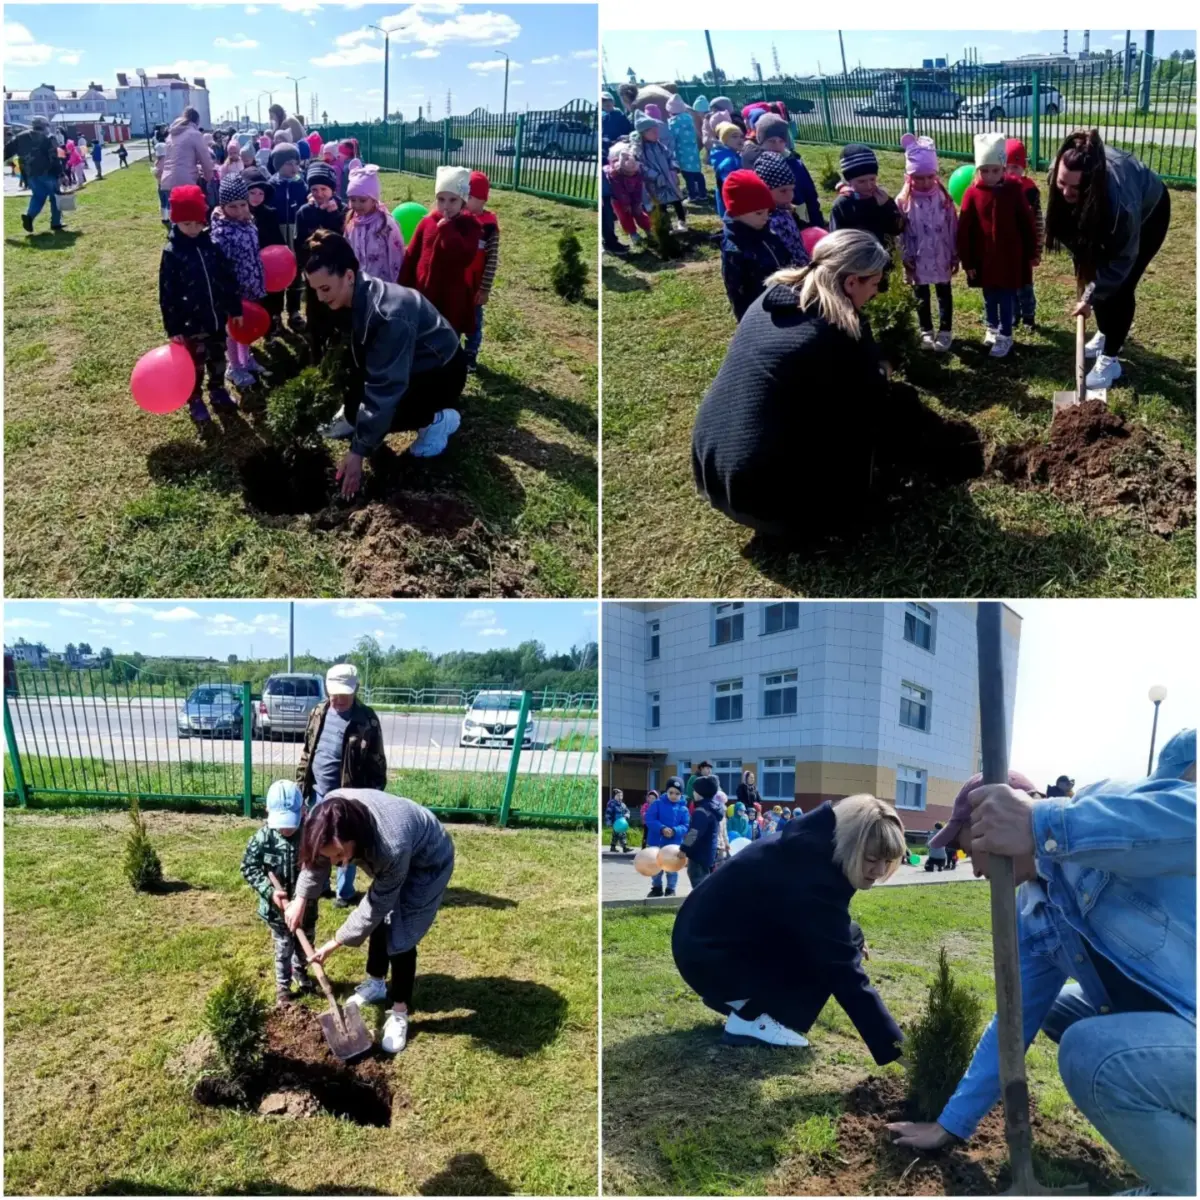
(1108, 900)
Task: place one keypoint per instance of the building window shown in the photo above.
(918, 626)
(777, 779)
(652, 639)
(652, 779)
(654, 712)
(778, 617)
(914, 707)
(910, 788)
(728, 773)
(728, 623)
(684, 770)
(779, 694)
(727, 700)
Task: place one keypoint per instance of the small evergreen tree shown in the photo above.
(142, 866)
(938, 1047)
(830, 175)
(662, 236)
(236, 1016)
(569, 274)
(297, 409)
(893, 316)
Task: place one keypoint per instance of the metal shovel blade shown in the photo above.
(349, 1037)
(1067, 399)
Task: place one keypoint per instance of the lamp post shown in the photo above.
(270, 97)
(141, 74)
(296, 83)
(387, 43)
(1158, 694)
(506, 62)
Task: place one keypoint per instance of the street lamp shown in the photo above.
(271, 98)
(141, 74)
(296, 82)
(1158, 694)
(506, 62)
(386, 57)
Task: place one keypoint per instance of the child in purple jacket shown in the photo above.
(624, 175)
(235, 234)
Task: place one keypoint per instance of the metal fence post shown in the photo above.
(1036, 139)
(517, 145)
(403, 127)
(247, 750)
(825, 110)
(908, 107)
(14, 757)
(511, 782)
(445, 138)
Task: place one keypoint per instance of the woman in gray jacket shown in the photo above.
(410, 858)
(1112, 213)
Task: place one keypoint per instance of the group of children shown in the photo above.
(260, 197)
(73, 158)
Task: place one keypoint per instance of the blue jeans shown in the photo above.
(472, 343)
(345, 875)
(672, 879)
(999, 304)
(41, 189)
(1027, 302)
(695, 184)
(1133, 1075)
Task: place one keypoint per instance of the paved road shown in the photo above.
(137, 151)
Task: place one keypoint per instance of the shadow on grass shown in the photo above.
(469, 898)
(465, 1175)
(614, 280)
(44, 239)
(169, 887)
(512, 1017)
(252, 1187)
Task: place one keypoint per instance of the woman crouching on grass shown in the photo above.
(410, 858)
(769, 985)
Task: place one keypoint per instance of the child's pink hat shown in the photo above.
(364, 181)
(920, 155)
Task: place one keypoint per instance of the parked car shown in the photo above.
(491, 720)
(214, 709)
(1015, 100)
(929, 99)
(557, 139)
(286, 703)
(431, 139)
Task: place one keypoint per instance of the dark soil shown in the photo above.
(301, 1078)
(867, 1164)
(299, 481)
(1111, 467)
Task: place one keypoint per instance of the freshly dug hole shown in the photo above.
(302, 481)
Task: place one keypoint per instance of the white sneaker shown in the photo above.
(370, 991)
(764, 1029)
(1095, 347)
(1001, 346)
(339, 427)
(436, 435)
(989, 338)
(927, 341)
(1105, 373)
(944, 340)
(678, 226)
(395, 1033)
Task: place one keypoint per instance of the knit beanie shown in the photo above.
(279, 136)
(856, 160)
(364, 181)
(700, 104)
(348, 147)
(1014, 153)
(319, 172)
(705, 786)
(723, 104)
(643, 123)
(284, 152)
(771, 125)
(453, 179)
(773, 170)
(920, 155)
(256, 177)
(304, 150)
(653, 110)
(989, 150)
(481, 186)
(188, 204)
(676, 105)
(233, 188)
(743, 192)
(618, 152)
(724, 130)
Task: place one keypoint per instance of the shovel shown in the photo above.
(1005, 955)
(1082, 392)
(347, 1035)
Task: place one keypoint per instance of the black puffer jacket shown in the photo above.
(37, 151)
(197, 289)
(266, 219)
(309, 219)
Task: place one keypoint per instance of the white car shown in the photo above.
(1016, 100)
(491, 720)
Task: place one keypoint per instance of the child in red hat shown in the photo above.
(1017, 168)
(750, 251)
(482, 272)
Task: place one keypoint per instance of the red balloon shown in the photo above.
(254, 323)
(811, 236)
(163, 379)
(279, 264)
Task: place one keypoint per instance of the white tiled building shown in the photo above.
(820, 700)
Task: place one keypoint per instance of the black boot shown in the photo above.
(670, 891)
(655, 892)
(27, 222)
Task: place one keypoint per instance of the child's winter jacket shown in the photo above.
(785, 225)
(291, 195)
(614, 809)
(805, 198)
(884, 221)
(436, 264)
(996, 235)
(664, 814)
(266, 221)
(700, 842)
(269, 850)
(748, 256)
(628, 191)
(197, 288)
(186, 158)
(312, 217)
(659, 170)
(687, 151)
(723, 162)
(929, 246)
(238, 241)
(377, 243)
(482, 274)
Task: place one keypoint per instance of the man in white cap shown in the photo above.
(343, 748)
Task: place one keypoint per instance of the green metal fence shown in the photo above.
(73, 738)
(1151, 111)
(552, 154)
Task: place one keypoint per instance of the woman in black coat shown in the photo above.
(747, 793)
(772, 986)
(801, 432)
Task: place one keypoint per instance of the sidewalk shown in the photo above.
(110, 163)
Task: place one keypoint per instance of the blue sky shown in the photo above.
(324, 628)
(244, 49)
(681, 54)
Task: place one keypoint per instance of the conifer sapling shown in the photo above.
(569, 274)
(142, 866)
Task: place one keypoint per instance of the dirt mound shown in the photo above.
(426, 544)
(299, 1077)
(867, 1164)
(1111, 467)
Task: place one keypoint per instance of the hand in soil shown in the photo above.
(350, 475)
(920, 1135)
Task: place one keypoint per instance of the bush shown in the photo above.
(569, 275)
(662, 237)
(236, 1017)
(939, 1046)
(893, 317)
(830, 175)
(297, 409)
(142, 866)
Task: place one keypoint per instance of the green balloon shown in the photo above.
(408, 216)
(914, 860)
(960, 181)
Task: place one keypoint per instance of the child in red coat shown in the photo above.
(482, 273)
(997, 241)
(444, 244)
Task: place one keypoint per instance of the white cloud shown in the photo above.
(240, 42)
(550, 58)
(346, 40)
(238, 627)
(271, 74)
(374, 91)
(252, 10)
(191, 67)
(379, 633)
(120, 607)
(266, 619)
(517, 82)
(584, 54)
(72, 612)
(300, 6)
(224, 619)
(474, 28)
(127, 621)
(357, 56)
(494, 631)
(71, 58)
(358, 608)
(26, 623)
(428, 52)
(178, 613)
(487, 64)
(20, 50)
(479, 616)
(156, 636)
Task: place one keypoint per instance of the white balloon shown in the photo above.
(738, 845)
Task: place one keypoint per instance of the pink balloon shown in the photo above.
(279, 264)
(163, 379)
(314, 142)
(811, 236)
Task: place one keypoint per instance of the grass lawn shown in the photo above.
(103, 987)
(666, 326)
(104, 499)
(685, 1116)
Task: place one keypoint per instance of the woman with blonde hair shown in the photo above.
(803, 386)
(771, 986)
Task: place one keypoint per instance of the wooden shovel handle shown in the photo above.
(1080, 364)
(306, 946)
